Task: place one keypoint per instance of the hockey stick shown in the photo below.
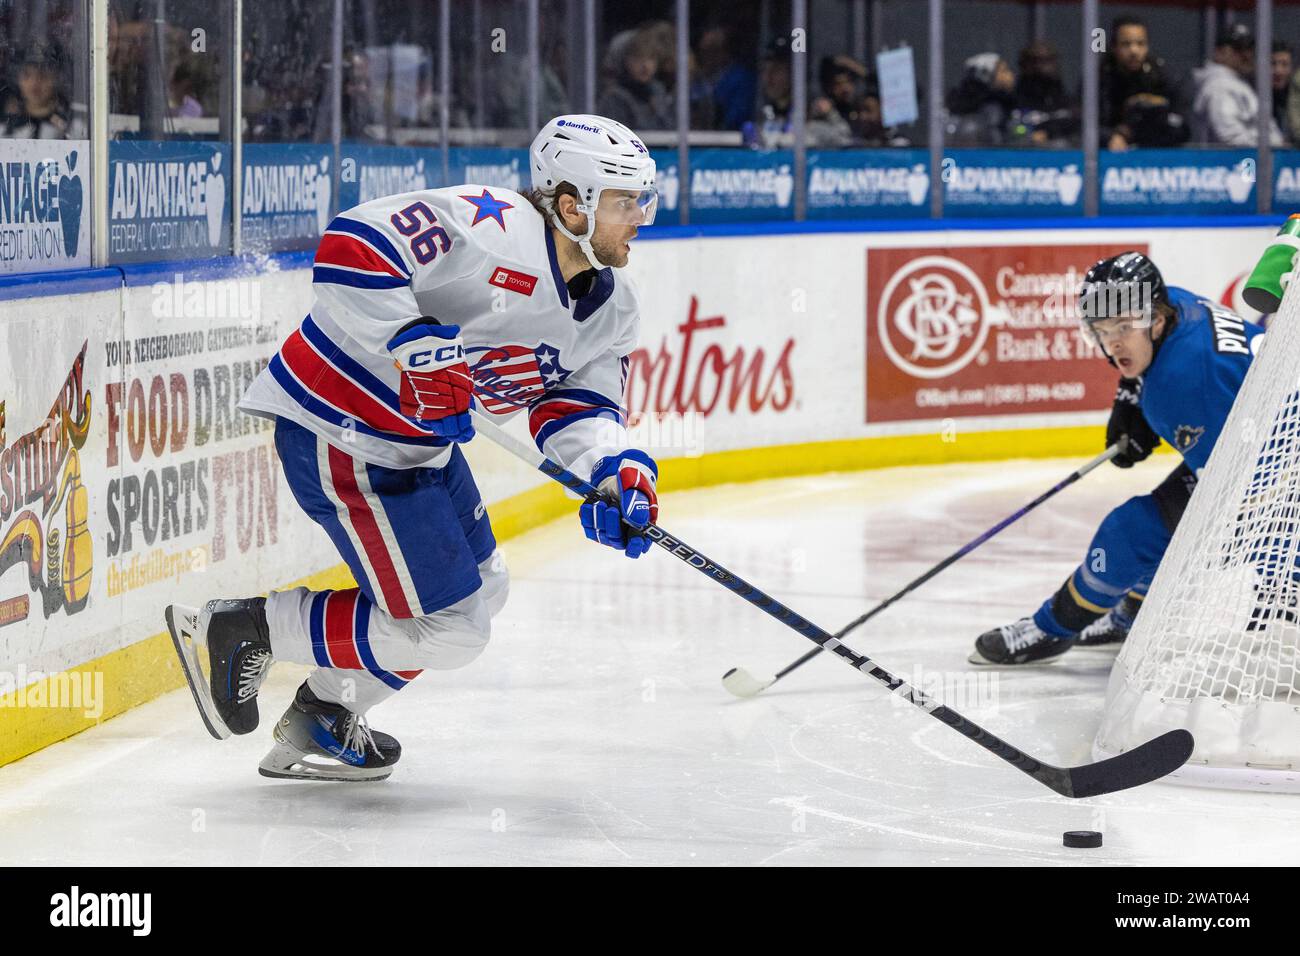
(742, 683)
(1150, 761)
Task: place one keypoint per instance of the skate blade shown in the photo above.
(980, 660)
(286, 762)
(183, 623)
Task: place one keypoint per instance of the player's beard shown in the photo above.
(609, 252)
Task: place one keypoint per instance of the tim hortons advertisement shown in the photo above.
(698, 367)
(973, 331)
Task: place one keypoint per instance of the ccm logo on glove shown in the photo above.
(447, 353)
(436, 387)
(627, 482)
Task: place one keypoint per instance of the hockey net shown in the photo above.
(1216, 646)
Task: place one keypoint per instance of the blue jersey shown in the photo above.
(1191, 385)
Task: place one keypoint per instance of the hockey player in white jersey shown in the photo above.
(425, 302)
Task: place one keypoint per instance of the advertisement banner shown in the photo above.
(1012, 182)
(967, 331)
(668, 181)
(875, 183)
(1286, 181)
(128, 478)
(1177, 182)
(368, 172)
(740, 185)
(285, 201)
(44, 205)
(488, 166)
(168, 200)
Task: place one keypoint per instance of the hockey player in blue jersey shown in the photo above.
(1182, 359)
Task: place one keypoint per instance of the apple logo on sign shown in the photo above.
(783, 184)
(918, 185)
(1068, 184)
(669, 185)
(322, 196)
(70, 197)
(216, 200)
(1239, 180)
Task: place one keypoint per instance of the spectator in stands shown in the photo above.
(507, 93)
(40, 111)
(10, 98)
(980, 105)
(869, 124)
(1283, 70)
(1293, 108)
(1139, 103)
(775, 80)
(659, 39)
(636, 98)
(357, 110)
(127, 41)
(183, 94)
(1225, 110)
(731, 84)
(1043, 111)
(770, 129)
(837, 112)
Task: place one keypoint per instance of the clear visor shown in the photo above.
(623, 207)
(1105, 331)
(1111, 311)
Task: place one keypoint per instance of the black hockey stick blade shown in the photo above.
(1154, 759)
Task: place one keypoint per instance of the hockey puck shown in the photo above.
(1081, 839)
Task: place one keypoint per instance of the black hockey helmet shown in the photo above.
(1126, 284)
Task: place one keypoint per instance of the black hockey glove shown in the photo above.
(1126, 421)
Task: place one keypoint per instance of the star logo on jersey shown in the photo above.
(1186, 436)
(488, 206)
(510, 377)
(548, 364)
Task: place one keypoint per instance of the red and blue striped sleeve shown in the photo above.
(357, 255)
(583, 420)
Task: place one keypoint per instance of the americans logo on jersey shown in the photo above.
(510, 377)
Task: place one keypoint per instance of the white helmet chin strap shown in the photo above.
(583, 241)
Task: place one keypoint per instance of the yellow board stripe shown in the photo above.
(147, 669)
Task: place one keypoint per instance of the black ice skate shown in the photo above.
(231, 638)
(317, 740)
(1021, 642)
(1111, 628)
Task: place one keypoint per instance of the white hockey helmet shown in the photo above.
(594, 154)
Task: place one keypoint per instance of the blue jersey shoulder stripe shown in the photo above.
(358, 280)
(373, 236)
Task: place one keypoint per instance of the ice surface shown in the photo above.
(594, 729)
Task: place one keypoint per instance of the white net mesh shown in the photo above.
(1216, 647)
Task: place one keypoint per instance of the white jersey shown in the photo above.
(478, 257)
